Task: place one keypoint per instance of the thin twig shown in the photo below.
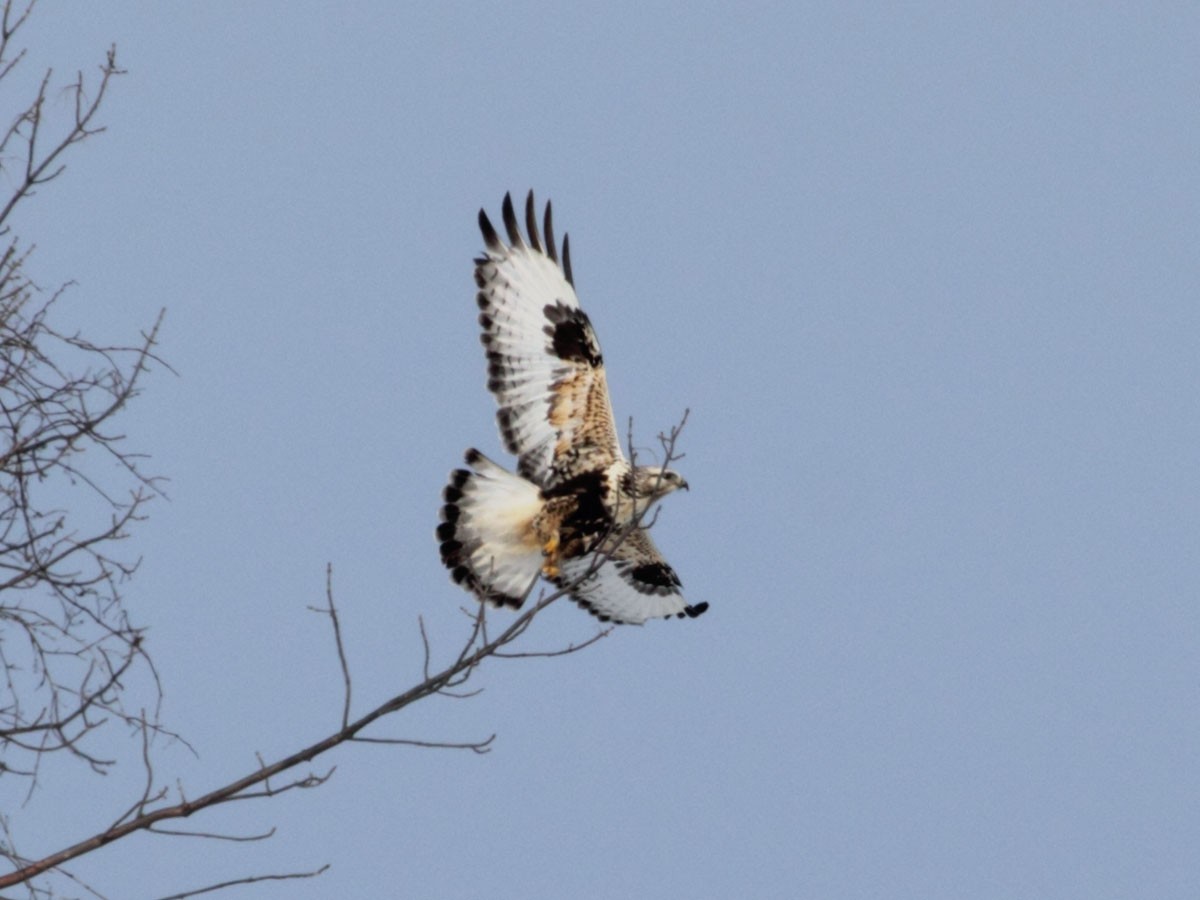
(250, 879)
(545, 654)
(331, 611)
(209, 835)
(483, 746)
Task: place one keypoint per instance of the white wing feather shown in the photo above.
(634, 584)
(544, 362)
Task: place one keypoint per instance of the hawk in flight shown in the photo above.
(572, 512)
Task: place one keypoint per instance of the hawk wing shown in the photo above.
(544, 362)
(634, 584)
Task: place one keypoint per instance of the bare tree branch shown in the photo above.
(214, 836)
(475, 649)
(481, 747)
(545, 654)
(331, 611)
(250, 879)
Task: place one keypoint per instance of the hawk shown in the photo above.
(572, 511)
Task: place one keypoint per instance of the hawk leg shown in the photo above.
(547, 525)
(550, 555)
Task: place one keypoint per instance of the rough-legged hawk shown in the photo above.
(576, 500)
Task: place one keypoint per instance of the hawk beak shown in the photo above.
(683, 484)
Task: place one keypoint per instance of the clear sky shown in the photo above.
(927, 279)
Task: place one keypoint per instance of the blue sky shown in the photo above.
(926, 278)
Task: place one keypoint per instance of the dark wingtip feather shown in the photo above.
(548, 222)
(510, 222)
(692, 611)
(566, 260)
(531, 222)
(490, 239)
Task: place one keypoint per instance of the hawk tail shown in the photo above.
(486, 533)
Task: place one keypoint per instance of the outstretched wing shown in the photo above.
(634, 584)
(544, 362)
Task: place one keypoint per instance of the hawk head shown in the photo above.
(648, 484)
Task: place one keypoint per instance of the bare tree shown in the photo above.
(70, 491)
(69, 488)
